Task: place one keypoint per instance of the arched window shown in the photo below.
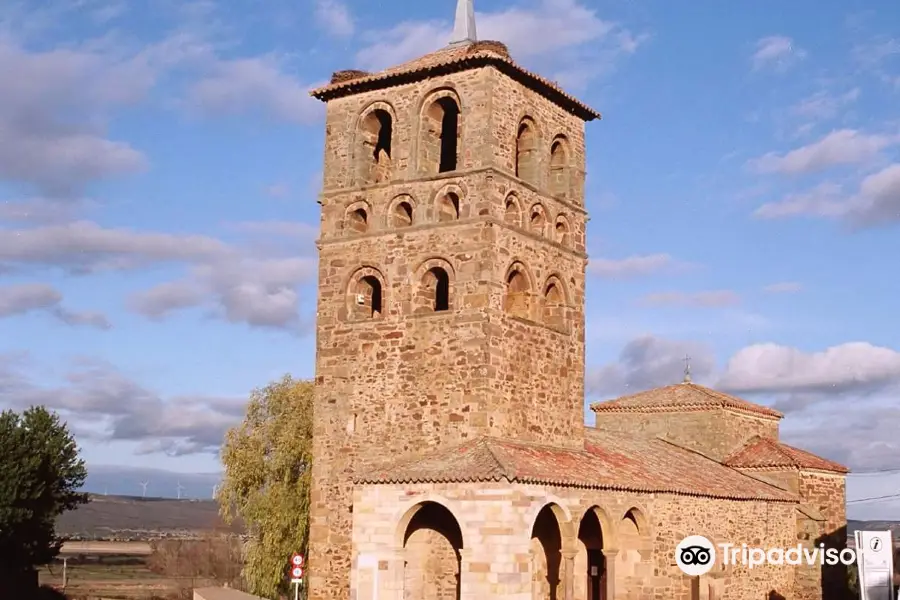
(526, 151)
(357, 219)
(559, 168)
(440, 136)
(437, 287)
(402, 215)
(554, 305)
(368, 299)
(433, 292)
(513, 213)
(538, 219)
(374, 155)
(562, 231)
(448, 207)
(517, 302)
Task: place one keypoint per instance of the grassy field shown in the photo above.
(115, 577)
(110, 547)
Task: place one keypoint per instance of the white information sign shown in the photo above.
(875, 554)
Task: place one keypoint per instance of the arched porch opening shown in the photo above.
(546, 555)
(432, 545)
(591, 572)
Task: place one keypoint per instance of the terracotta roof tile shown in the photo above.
(762, 452)
(681, 396)
(448, 60)
(606, 462)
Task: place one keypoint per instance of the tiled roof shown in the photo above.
(607, 461)
(681, 396)
(762, 452)
(449, 60)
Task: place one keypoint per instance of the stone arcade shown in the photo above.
(451, 459)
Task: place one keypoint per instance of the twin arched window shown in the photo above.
(439, 135)
(529, 159)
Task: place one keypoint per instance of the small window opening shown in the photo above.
(369, 296)
(377, 132)
(562, 232)
(434, 294)
(559, 182)
(526, 153)
(385, 131)
(516, 302)
(554, 307)
(448, 207)
(403, 214)
(537, 220)
(358, 220)
(449, 134)
(512, 212)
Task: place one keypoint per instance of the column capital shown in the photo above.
(610, 552)
(568, 554)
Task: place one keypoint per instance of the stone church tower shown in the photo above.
(451, 274)
(450, 456)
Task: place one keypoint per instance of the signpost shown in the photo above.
(874, 561)
(296, 567)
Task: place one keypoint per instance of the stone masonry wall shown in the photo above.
(497, 554)
(403, 379)
(715, 433)
(827, 493)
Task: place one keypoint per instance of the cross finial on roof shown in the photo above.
(464, 26)
(687, 369)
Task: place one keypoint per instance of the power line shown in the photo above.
(874, 499)
(873, 472)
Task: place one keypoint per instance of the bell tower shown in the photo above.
(451, 271)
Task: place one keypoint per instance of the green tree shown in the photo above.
(267, 462)
(40, 473)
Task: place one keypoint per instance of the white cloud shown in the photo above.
(776, 52)
(877, 201)
(335, 18)
(858, 366)
(784, 287)
(707, 299)
(563, 39)
(841, 147)
(38, 297)
(824, 105)
(839, 403)
(633, 266)
(104, 403)
(232, 281)
(257, 85)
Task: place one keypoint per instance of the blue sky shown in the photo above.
(159, 164)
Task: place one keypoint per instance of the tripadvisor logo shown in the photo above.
(696, 555)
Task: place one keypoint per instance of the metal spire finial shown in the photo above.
(687, 369)
(464, 26)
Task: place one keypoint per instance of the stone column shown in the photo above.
(568, 560)
(610, 556)
(467, 587)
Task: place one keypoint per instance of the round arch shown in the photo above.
(450, 200)
(432, 287)
(357, 217)
(512, 207)
(366, 291)
(429, 150)
(405, 515)
(397, 214)
(537, 219)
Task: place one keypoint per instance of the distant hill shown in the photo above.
(136, 518)
(893, 526)
(126, 481)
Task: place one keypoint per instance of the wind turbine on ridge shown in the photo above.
(180, 489)
(144, 485)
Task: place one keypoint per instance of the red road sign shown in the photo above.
(297, 560)
(297, 573)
